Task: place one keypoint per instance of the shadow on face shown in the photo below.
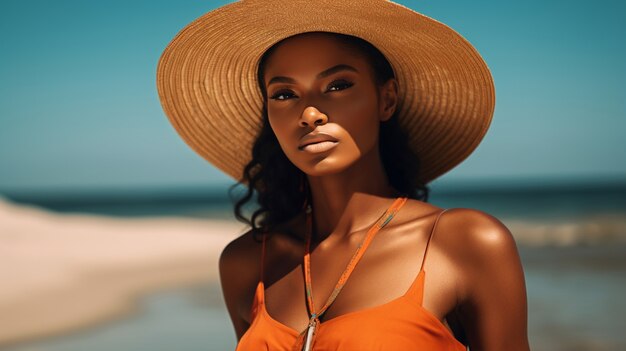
(322, 84)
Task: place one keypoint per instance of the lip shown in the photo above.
(313, 138)
(316, 148)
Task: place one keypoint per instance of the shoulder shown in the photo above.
(239, 265)
(239, 274)
(475, 255)
(477, 233)
(470, 231)
(468, 238)
(481, 233)
(239, 258)
(484, 249)
(492, 292)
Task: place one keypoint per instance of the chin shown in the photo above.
(325, 166)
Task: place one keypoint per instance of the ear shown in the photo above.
(388, 99)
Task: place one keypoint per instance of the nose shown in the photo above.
(312, 117)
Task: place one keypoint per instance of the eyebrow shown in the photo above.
(323, 74)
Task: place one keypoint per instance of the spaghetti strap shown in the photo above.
(432, 231)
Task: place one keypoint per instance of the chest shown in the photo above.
(385, 272)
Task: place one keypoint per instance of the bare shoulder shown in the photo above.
(239, 273)
(480, 236)
(239, 262)
(238, 252)
(492, 293)
(466, 234)
(474, 244)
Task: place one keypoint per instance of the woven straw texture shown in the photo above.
(206, 77)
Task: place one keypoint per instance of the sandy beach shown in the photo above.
(62, 272)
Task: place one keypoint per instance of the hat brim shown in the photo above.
(207, 83)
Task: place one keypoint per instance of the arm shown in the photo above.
(234, 274)
(493, 307)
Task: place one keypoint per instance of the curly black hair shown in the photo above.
(281, 189)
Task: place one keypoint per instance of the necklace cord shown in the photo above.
(314, 320)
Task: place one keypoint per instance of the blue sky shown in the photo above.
(79, 108)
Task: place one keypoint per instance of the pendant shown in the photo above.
(309, 334)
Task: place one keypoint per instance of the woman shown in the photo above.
(350, 129)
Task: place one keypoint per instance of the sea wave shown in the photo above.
(595, 229)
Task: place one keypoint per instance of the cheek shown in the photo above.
(360, 120)
(279, 126)
(287, 135)
(354, 120)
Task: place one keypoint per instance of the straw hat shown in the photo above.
(207, 83)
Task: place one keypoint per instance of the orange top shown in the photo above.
(398, 325)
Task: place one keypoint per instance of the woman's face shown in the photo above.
(322, 93)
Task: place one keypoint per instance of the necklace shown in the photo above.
(307, 336)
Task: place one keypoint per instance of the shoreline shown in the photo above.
(97, 297)
(64, 272)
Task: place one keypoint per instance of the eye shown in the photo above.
(339, 85)
(283, 95)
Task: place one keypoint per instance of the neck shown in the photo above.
(351, 200)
